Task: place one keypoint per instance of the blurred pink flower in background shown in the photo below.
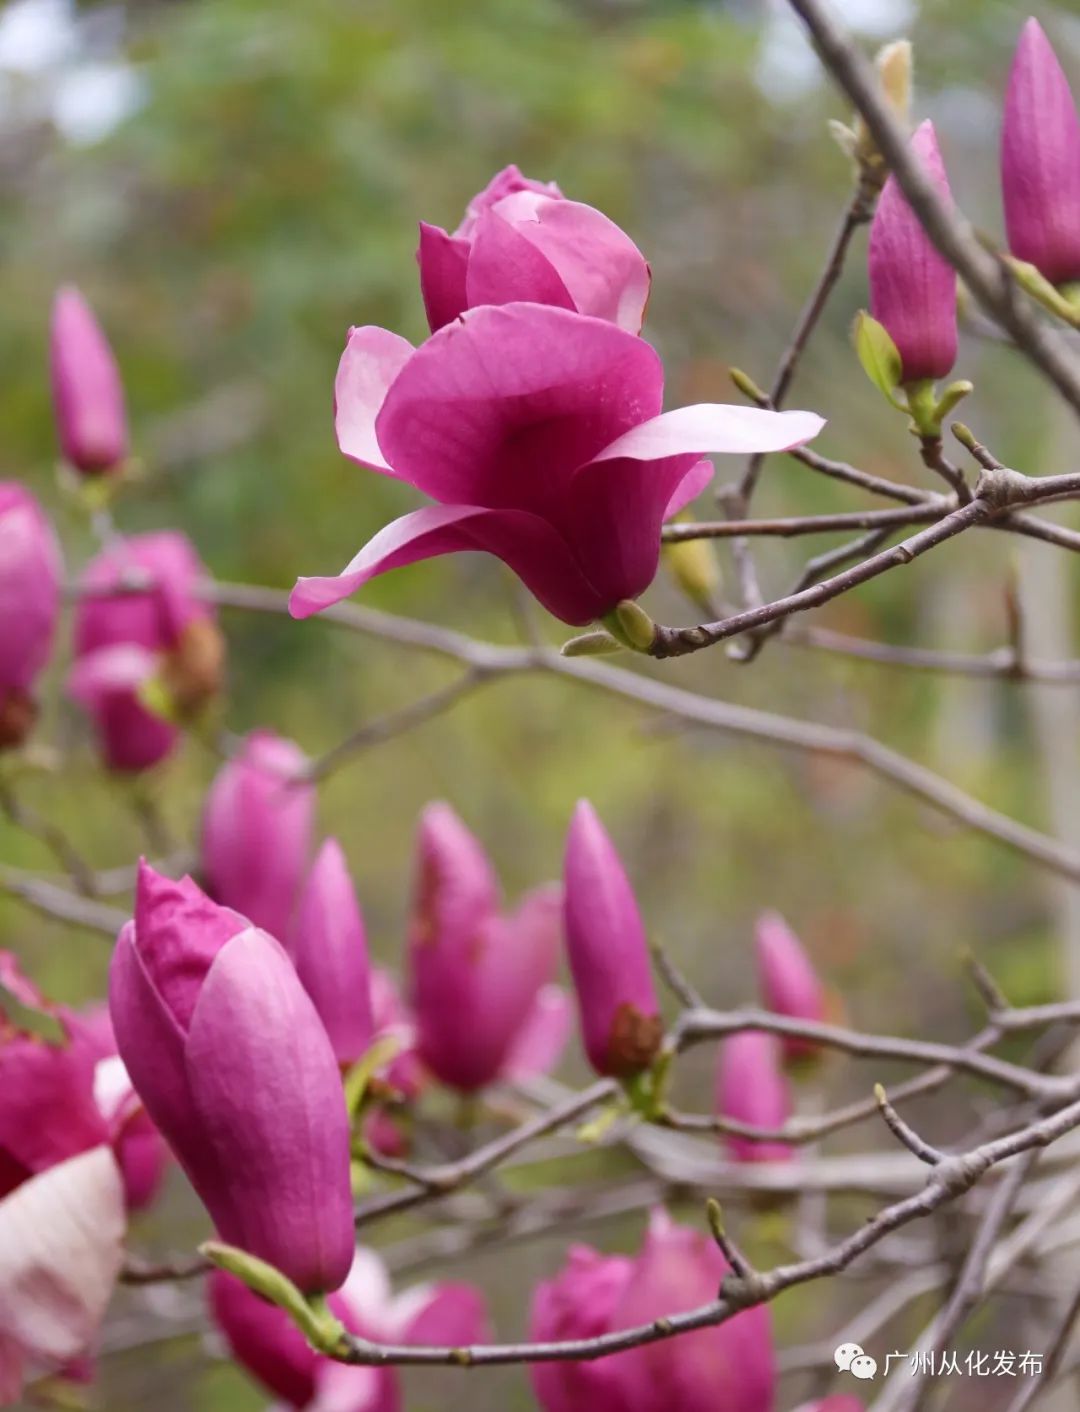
(788, 982)
(328, 945)
(731, 1366)
(31, 568)
(477, 974)
(265, 1341)
(751, 1088)
(159, 630)
(88, 396)
(257, 831)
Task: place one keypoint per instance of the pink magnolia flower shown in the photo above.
(912, 286)
(730, 1366)
(232, 1062)
(47, 1107)
(266, 1342)
(751, 1088)
(257, 829)
(62, 1097)
(477, 974)
(124, 639)
(789, 984)
(61, 1247)
(608, 952)
(522, 240)
(538, 433)
(30, 574)
(139, 1148)
(1040, 160)
(329, 949)
(88, 397)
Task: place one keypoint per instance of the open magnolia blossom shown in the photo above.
(539, 434)
(61, 1246)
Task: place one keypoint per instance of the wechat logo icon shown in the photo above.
(850, 1358)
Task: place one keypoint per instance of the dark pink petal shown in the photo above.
(443, 260)
(263, 1339)
(714, 428)
(602, 270)
(523, 541)
(505, 267)
(167, 564)
(372, 359)
(266, 1095)
(500, 408)
(613, 514)
(47, 1108)
(178, 934)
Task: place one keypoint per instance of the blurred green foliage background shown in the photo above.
(233, 182)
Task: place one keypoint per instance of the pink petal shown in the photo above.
(714, 428)
(603, 271)
(504, 183)
(540, 1041)
(506, 267)
(61, 1245)
(274, 1113)
(690, 487)
(500, 408)
(443, 260)
(372, 359)
(613, 516)
(451, 1315)
(525, 542)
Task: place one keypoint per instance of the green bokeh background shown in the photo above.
(262, 198)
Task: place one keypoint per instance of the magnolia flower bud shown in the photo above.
(88, 398)
(912, 286)
(477, 975)
(1040, 161)
(789, 984)
(256, 831)
(608, 952)
(233, 1064)
(751, 1089)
